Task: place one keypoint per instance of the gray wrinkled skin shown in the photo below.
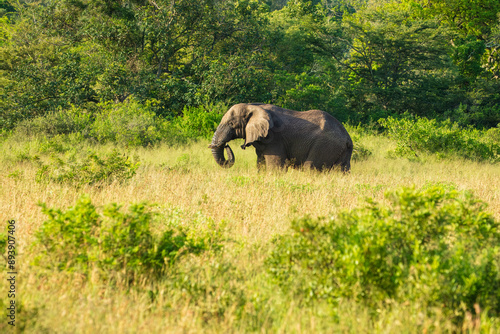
(310, 139)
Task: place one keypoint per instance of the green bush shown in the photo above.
(60, 122)
(80, 239)
(360, 152)
(418, 135)
(436, 246)
(197, 122)
(493, 135)
(306, 92)
(90, 169)
(483, 113)
(61, 143)
(129, 123)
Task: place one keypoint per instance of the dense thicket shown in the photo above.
(360, 60)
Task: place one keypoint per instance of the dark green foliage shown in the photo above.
(395, 64)
(88, 169)
(6, 8)
(235, 79)
(436, 246)
(356, 60)
(306, 92)
(82, 239)
(443, 138)
(480, 109)
(467, 55)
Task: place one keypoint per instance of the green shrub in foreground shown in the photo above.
(90, 169)
(414, 136)
(81, 238)
(434, 246)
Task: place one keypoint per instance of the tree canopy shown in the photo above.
(360, 60)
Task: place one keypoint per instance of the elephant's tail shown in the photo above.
(346, 159)
(349, 145)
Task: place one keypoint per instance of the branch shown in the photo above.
(154, 4)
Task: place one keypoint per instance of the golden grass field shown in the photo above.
(250, 207)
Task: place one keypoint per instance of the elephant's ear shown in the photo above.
(258, 124)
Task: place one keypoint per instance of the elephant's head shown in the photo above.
(247, 121)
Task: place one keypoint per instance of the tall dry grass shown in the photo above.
(251, 207)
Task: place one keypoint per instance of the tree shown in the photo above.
(475, 22)
(394, 63)
(84, 51)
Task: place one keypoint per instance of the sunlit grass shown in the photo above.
(251, 206)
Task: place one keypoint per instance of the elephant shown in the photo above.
(311, 139)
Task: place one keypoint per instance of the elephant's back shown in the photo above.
(320, 123)
(326, 123)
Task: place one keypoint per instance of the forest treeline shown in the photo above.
(360, 60)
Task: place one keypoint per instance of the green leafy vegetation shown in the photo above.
(358, 60)
(3, 243)
(216, 247)
(436, 246)
(88, 169)
(127, 124)
(85, 85)
(59, 122)
(417, 135)
(360, 152)
(82, 238)
(196, 122)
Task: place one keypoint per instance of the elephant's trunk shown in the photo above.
(221, 137)
(218, 153)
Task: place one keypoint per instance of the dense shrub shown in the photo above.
(60, 122)
(130, 124)
(81, 238)
(493, 135)
(89, 169)
(360, 152)
(197, 122)
(479, 116)
(58, 143)
(306, 92)
(445, 138)
(436, 246)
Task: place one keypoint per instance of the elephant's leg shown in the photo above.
(261, 161)
(274, 161)
(275, 156)
(309, 165)
(345, 165)
(327, 154)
